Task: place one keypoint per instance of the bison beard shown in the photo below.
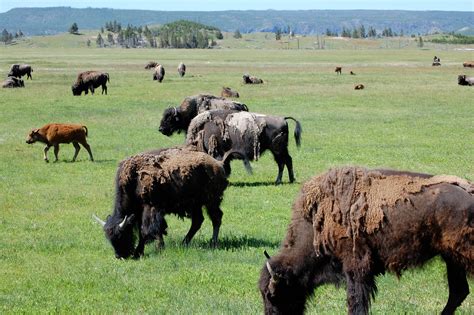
(352, 224)
(151, 185)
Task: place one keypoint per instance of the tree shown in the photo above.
(219, 35)
(74, 28)
(5, 37)
(420, 42)
(278, 34)
(237, 34)
(99, 41)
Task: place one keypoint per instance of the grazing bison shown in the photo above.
(159, 73)
(13, 82)
(228, 92)
(465, 80)
(54, 134)
(20, 70)
(468, 64)
(178, 118)
(338, 70)
(218, 131)
(90, 80)
(150, 185)
(359, 86)
(251, 80)
(182, 69)
(352, 224)
(352, 73)
(151, 64)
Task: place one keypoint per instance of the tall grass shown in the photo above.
(54, 258)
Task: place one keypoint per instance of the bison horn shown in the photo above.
(98, 220)
(122, 224)
(270, 270)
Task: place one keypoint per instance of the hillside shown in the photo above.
(41, 21)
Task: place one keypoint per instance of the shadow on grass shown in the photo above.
(235, 242)
(89, 161)
(257, 184)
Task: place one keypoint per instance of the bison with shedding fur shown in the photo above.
(90, 80)
(153, 184)
(20, 70)
(178, 118)
(13, 82)
(465, 80)
(251, 79)
(228, 92)
(159, 73)
(151, 65)
(182, 69)
(218, 131)
(351, 224)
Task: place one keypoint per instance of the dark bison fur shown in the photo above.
(177, 119)
(351, 224)
(218, 131)
(248, 79)
(90, 80)
(338, 70)
(465, 80)
(20, 70)
(151, 65)
(13, 82)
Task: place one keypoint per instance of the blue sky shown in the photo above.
(216, 5)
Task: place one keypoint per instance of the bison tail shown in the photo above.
(230, 154)
(108, 78)
(86, 130)
(298, 131)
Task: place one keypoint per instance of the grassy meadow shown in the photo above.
(55, 259)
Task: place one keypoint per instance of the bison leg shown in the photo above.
(46, 148)
(283, 159)
(104, 89)
(77, 147)
(458, 286)
(88, 148)
(139, 250)
(215, 214)
(56, 151)
(196, 221)
(28, 76)
(360, 287)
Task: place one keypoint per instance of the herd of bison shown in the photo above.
(348, 225)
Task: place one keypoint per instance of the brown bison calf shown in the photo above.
(54, 134)
(468, 64)
(338, 70)
(359, 87)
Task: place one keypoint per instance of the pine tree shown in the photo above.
(237, 34)
(219, 35)
(278, 34)
(99, 41)
(74, 28)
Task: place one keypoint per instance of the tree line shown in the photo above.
(361, 32)
(7, 37)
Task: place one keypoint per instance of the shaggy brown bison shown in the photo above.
(468, 64)
(54, 134)
(20, 70)
(465, 80)
(178, 118)
(182, 69)
(159, 73)
(90, 80)
(351, 224)
(359, 86)
(13, 82)
(218, 131)
(338, 70)
(251, 80)
(150, 185)
(151, 65)
(228, 92)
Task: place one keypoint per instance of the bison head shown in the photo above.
(462, 79)
(120, 234)
(170, 122)
(76, 89)
(33, 136)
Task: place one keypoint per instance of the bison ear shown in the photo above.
(36, 131)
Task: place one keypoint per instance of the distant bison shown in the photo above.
(178, 118)
(359, 87)
(151, 185)
(89, 80)
(468, 64)
(159, 73)
(251, 80)
(338, 70)
(352, 73)
(350, 225)
(465, 80)
(151, 64)
(182, 69)
(13, 82)
(228, 92)
(54, 134)
(20, 70)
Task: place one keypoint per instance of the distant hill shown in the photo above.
(41, 21)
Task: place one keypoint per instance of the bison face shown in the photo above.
(462, 79)
(170, 122)
(76, 89)
(120, 235)
(33, 136)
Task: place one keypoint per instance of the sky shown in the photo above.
(218, 5)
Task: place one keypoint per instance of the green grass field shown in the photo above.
(55, 258)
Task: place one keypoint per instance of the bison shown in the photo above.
(179, 118)
(13, 82)
(338, 70)
(352, 224)
(228, 92)
(218, 131)
(465, 80)
(251, 79)
(151, 185)
(468, 64)
(359, 86)
(90, 80)
(151, 65)
(54, 134)
(159, 73)
(352, 73)
(20, 70)
(182, 69)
